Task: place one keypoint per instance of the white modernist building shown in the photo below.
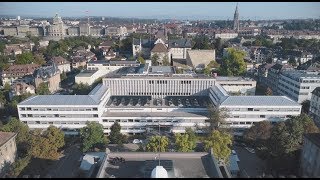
(143, 97)
(298, 85)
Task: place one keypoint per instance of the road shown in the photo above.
(67, 166)
(250, 164)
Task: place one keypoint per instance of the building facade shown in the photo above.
(298, 85)
(49, 75)
(310, 155)
(140, 98)
(8, 151)
(315, 106)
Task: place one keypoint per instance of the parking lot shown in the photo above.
(250, 164)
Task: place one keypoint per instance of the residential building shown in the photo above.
(161, 50)
(274, 75)
(62, 64)
(298, 85)
(178, 48)
(14, 72)
(315, 106)
(263, 70)
(310, 155)
(49, 75)
(19, 88)
(199, 59)
(8, 151)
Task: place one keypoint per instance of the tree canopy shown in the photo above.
(220, 143)
(81, 89)
(201, 42)
(25, 58)
(233, 64)
(141, 60)
(216, 117)
(92, 136)
(46, 145)
(116, 137)
(43, 89)
(153, 144)
(184, 142)
(154, 59)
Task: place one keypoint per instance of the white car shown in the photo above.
(137, 141)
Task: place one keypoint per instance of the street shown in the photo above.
(67, 166)
(250, 164)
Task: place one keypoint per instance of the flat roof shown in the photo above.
(155, 114)
(178, 165)
(86, 73)
(59, 100)
(259, 101)
(161, 69)
(227, 78)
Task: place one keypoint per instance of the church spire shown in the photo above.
(236, 19)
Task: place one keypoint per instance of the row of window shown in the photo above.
(161, 93)
(140, 120)
(60, 115)
(57, 109)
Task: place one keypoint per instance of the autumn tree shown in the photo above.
(185, 142)
(39, 59)
(220, 143)
(46, 145)
(116, 137)
(43, 89)
(92, 136)
(233, 64)
(141, 60)
(157, 143)
(259, 133)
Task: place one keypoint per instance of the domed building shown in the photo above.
(159, 172)
(57, 29)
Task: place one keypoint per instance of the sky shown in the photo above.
(166, 10)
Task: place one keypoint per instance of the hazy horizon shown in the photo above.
(166, 10)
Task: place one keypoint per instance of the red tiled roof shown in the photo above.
(159, 47)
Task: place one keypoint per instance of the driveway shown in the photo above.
(250, 164)
(68, 165)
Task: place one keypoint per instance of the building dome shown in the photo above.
(159, 172)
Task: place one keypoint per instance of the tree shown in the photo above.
(92, 136)
(81, 89)
(305, 106)
(220, 143)
(116, 137)
(18, 165)
(63, 76)
(46, 145)
(154, 59)
(39, 59)
(22, 130)
(185, 142)
(24, 58)
(269, 91)
(259, 133)
(141, 60)
(233, 64)
(165, 61)
(292, 61)
(153, 144)
(43, 89)
(201, 42)
(216, 116)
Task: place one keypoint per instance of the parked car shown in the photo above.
(137, 141)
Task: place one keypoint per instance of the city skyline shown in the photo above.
(172, 10)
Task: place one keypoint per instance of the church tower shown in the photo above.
(236, 20)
